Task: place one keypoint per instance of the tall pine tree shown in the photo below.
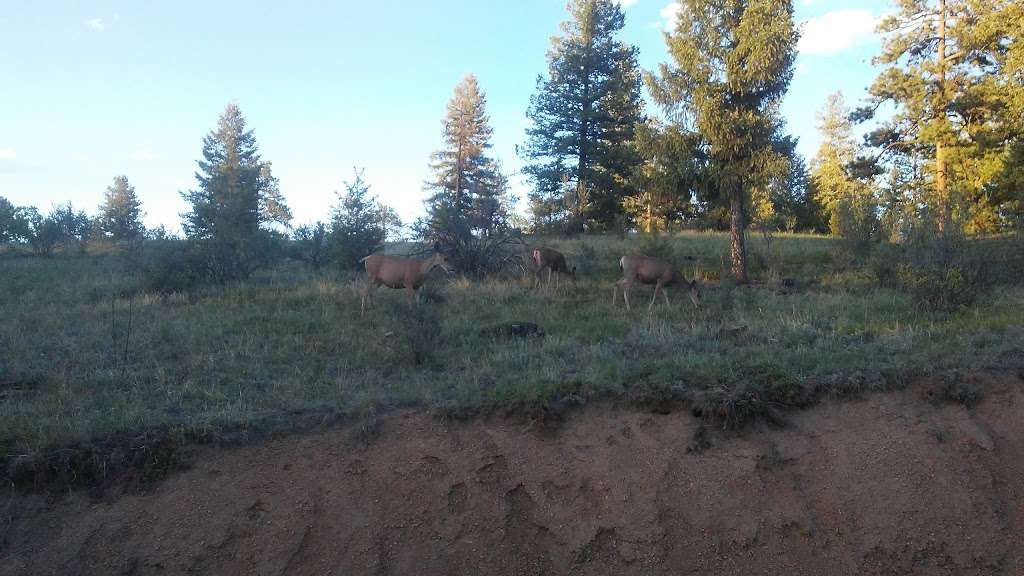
(732, 61)
(237, 200)
(120, 214)
(579, 149)
(830, 169)
(948, 72)
(468, 184)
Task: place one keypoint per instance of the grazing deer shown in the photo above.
(648, 270)
(400, 272)
(554, 261)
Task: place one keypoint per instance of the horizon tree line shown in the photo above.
(719, 155)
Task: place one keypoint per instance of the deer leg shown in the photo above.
(654, 298)
(665, 294)
(625, 294)
(410, 295)
(367, 295)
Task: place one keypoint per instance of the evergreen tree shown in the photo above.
(356, 227)
(830, 169)
(948, 72)
(236, 201)
(664, 184)
(732, 61)
(120, 214)
(579, 150)
(467, 183)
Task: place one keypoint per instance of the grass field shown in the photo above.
(291, 342)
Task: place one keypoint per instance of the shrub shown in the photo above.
(939, 270)
(414, 333)
(44, 234)
(171, 266)
(856, 222)
(657, 246)
(309, 244)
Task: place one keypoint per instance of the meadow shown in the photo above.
(87, 354)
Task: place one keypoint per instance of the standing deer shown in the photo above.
(554, 261)
(648, 270)
(400, 272)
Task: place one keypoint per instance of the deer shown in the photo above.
(400, 272)
(554, 262)
(649, 270)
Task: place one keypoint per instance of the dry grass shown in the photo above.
(289, 342)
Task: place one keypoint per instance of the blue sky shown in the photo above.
(90, 90)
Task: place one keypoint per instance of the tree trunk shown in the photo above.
(737, 231)
(941, 188)
(650, 217)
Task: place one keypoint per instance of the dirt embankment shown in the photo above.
(887, 485)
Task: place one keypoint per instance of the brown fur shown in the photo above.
(400, 272)
(553, 261)
(649, 270)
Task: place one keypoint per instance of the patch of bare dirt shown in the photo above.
(892, 484)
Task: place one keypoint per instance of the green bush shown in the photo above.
(657, 246)
(172, 266)
(940, 270)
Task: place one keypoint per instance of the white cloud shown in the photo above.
(8, 154)
(837, 31)
(144, 154)
(95, 24)
(670, 15)
(626, 3)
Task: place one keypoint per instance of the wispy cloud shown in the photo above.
(96, 24)
(8, 154)
(143, 154)
(837, 31)
(670, 15)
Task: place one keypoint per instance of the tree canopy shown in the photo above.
(237, 199)
(732, 62)
(579, 149)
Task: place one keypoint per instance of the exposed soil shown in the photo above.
(892, 484)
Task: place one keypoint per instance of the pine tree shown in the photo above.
(120, 214)
(945, 71)
(467, 183)
(664, 184)
(356, 227)
(732, 62)
(830, 168)
(236, 202)
(579, 150)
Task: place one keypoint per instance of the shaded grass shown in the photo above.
(228, 360)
